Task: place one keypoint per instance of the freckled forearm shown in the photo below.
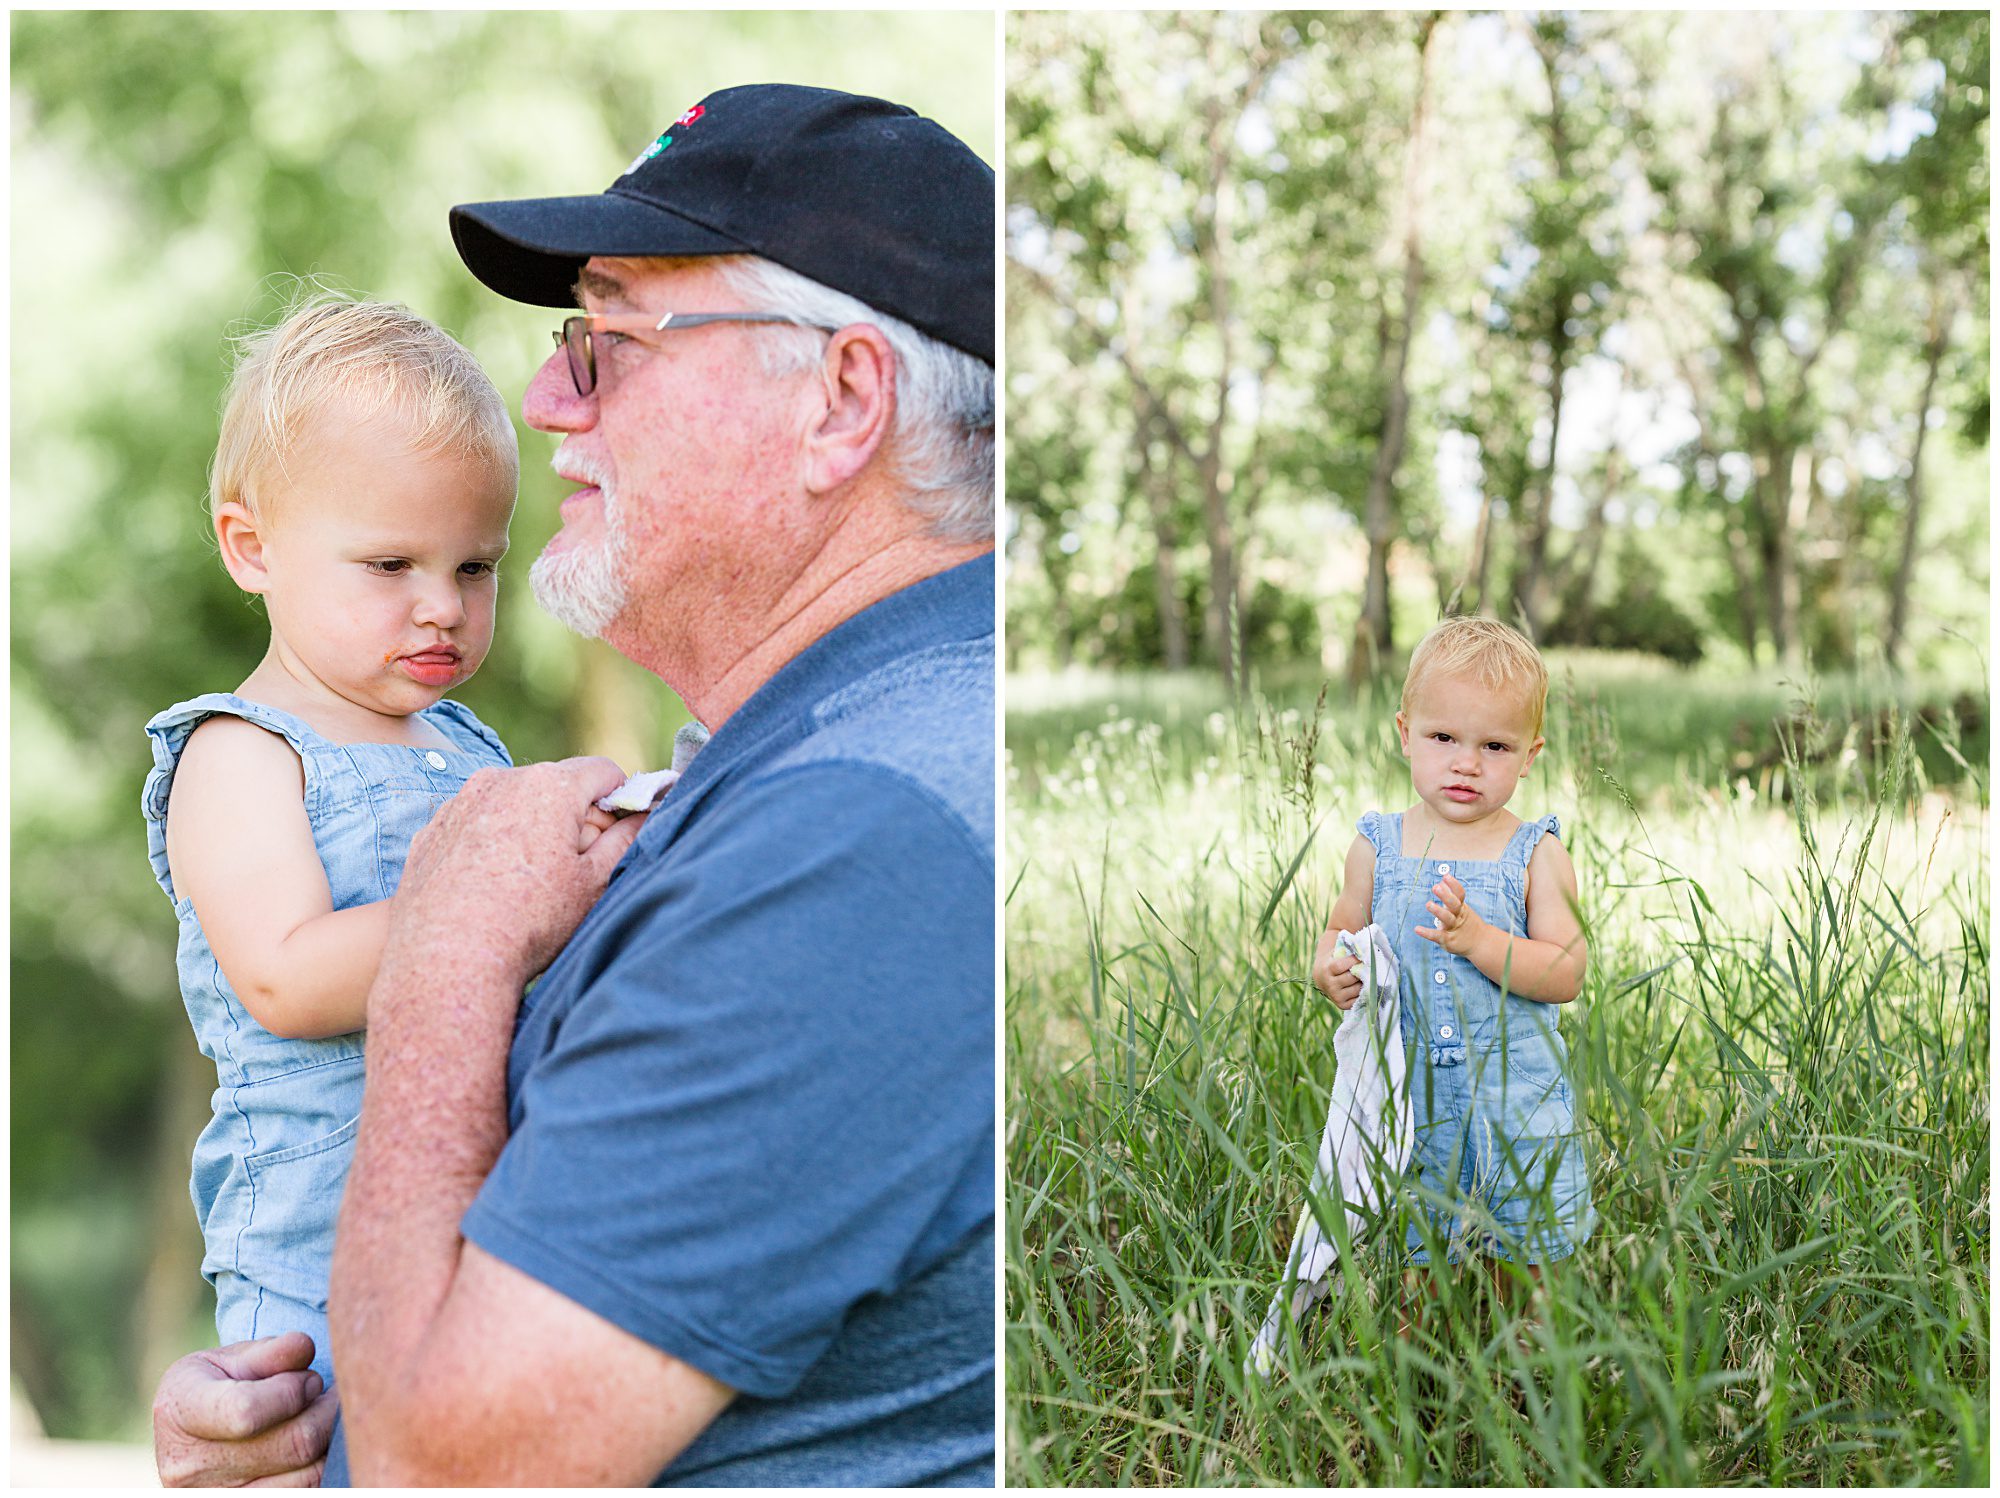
(433, 1121)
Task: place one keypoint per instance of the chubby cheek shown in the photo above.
(476, 638)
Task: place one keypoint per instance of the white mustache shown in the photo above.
(577, 468)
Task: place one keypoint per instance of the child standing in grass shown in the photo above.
(1481, 906)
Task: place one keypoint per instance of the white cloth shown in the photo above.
(640, 791)
(1368, 1138)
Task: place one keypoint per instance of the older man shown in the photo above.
(713, 1202)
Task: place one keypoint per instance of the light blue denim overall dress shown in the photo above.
(270, 1165)
(1498, 1163)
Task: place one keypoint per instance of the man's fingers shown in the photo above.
(305, 1477)
(592, 774)
(293, 1454)
(229, 1409)
(288, 1352)
(289, 1452)
(612, 843)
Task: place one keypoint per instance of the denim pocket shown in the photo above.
(295, 1192)
(1532, 1095)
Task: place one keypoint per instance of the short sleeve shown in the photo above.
(1373, 826)
(775, 1095)
(1532, 833)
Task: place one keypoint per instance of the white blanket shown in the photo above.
(1367, 1142)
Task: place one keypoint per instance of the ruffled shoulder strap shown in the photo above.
(1521, 847)
(1384, 831)
(169, 733)
(462, 726)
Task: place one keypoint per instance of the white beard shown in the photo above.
(584, 587)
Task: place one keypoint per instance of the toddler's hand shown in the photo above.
(1458, 924)
(1333, 972)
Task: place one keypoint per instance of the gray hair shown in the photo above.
(942, 443)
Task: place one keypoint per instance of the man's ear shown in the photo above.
(858, 382)
(240, 537)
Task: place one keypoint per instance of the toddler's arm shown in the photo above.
(1546, 965)
(240, 847)
(1333, 973)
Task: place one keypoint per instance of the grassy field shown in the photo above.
(1781, 1055)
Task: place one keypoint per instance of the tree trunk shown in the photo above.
(1372, 640)
(1472, 587)
(1797, 469)
(1533, 591)
(1531, 584)
(1372, 636)
(1737, 547)
(1213, 238)
(1777, 579)
(1581, 579)
(1166, 558)
(1943, 312)
(1219, 626)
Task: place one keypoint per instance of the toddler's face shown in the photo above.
(1468, 745)
(380, 566)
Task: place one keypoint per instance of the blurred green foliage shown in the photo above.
(172, 173)
(1694, 287)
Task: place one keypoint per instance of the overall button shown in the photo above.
(1444, 1032)
(1438, 976)
(1444, 868)
(435, 760)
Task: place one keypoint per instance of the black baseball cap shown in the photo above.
(859, 194)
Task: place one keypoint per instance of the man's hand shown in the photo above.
(510, 866)
(595, 821)
(1334, 972)
(252, 1413)
(1458, 924)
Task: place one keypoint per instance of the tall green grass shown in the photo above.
(1781, 1059)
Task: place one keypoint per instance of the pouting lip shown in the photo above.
(450, 652)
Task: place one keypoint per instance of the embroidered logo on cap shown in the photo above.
(666, 138)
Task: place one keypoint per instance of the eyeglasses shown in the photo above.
(577, 334)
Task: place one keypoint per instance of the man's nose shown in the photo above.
(552, 404)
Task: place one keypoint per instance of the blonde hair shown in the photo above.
(1496, 655)
(373, 358)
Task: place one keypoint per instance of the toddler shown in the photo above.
(1481, 907)
(362, 486)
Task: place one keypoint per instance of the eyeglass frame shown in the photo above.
(583, 377)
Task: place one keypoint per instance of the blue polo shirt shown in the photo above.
(751, 1103)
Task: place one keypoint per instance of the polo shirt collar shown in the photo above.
(956, 604)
